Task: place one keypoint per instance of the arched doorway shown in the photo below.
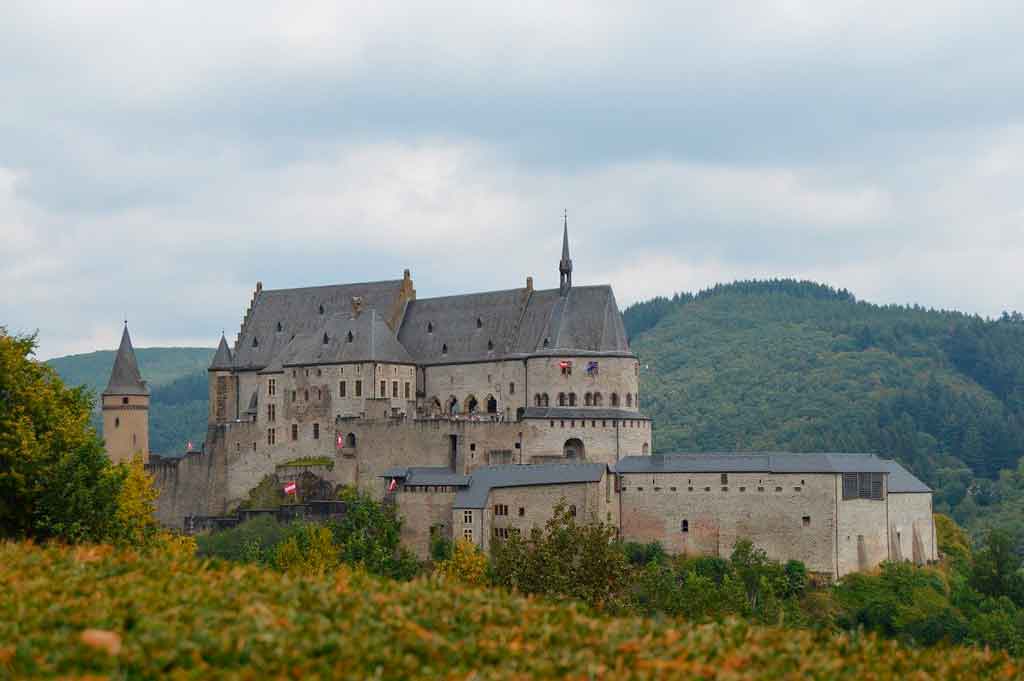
(350, 440)
(435, 407)
(472, 405)
(453, 406)
(492, 405)
(646, 448)
(573, 449)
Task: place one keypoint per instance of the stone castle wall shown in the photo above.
(126, 426)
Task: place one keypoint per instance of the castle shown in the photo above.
(477, 413)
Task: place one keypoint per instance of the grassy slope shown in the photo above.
(182, 618)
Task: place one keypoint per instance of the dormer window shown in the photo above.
(430, 327)
(325, 339)
(490, 345)
(444, 349)
(479, 323)
(349, 337)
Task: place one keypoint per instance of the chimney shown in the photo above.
(529, 284)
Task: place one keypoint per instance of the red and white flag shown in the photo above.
(393, 485)
(188, 447)
(341, 441)
(290, 488)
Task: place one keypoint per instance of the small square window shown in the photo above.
(778, 489)
(522, 511)
(743, 489)
(807, 521)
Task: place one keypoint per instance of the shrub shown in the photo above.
(254, 540)
(468, 564)
(135, 523)
(643, 554)
(308, 550)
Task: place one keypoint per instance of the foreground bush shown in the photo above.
(126, 615)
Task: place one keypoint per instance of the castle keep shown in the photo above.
(477, 413)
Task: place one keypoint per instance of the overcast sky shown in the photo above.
(157, 160)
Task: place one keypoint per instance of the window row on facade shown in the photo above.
(624, 423)
(589, 400)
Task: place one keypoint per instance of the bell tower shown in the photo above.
(126, 407)
(565, 264)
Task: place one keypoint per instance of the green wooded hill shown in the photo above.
(177, 378)
(788, 365)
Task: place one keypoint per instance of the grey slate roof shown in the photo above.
(222, 359)
(902, 481)
(773, 462)
(427, 475)
(372, 340)
(513, 322)
(297, 311)
(484, 479)
(582, 413)
(125, 378)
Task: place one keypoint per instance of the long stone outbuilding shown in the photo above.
(478, 413)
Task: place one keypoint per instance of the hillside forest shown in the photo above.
(772, 365)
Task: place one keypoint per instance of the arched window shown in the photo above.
(350, 337)
(492, 405)
(472, 405)
(685, 526)
(479, 323)
(435, 406)
(598, 399)
(573, 449)
(646, 448)
(350, 440)
(444, 349)
(536, 400)
(615, 399)
(546, 399)
(255, 342)
(587, 400)
(453, 405)
(490, 345)
(325, 339)
(321, 309)
(117, 422)
(430, 327)
(572, 399)
(546, 342)
(561, 399)
(279, 327)
(629, 399)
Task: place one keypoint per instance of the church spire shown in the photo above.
(125, 378)
(565, 265)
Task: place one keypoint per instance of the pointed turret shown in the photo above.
(222, 359)
(565, 264)
(126, 406)
(125, 378)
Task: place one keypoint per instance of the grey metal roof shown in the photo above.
(222, 359)
(902, 481)
(297, 311)
(125, 378)
(514, 322)
(427, 475)
(582, 413)
(371, 340)
(486, 478)
(770, 462)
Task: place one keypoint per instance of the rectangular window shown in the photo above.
(295, 432)
(342, 389)
(806, 520)
(271, 412)
(522, 511)
(863, 486)
(316, 431)
(500, 509)
(293, 395)
(511, 388)
(467, 533)
(685, 526)
(408, 391)
(383, 389)
(467, 517)
(725, 478)
(394, 389)
(270, 436)
(271, 386)
(359, 388)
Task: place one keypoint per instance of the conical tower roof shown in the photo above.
(223, 358)
(125, 378)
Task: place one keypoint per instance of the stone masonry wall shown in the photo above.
(912, 528)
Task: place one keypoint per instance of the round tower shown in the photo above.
(223, 405)
(126, 407)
